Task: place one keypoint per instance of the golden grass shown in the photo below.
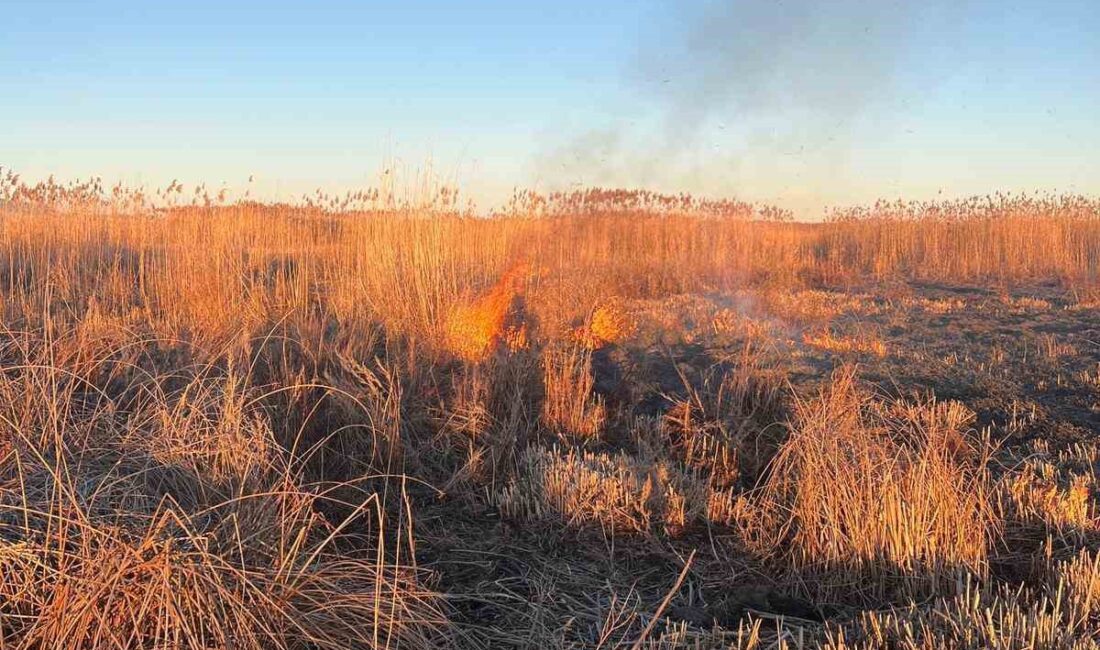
(209, 272)
(895, 497)
(974, 619)
(618, 493)
(166, 518)
(1053, 491)
(610, 323)
(570, 408)
(1060, 614)
(210, 414)
(861, 343)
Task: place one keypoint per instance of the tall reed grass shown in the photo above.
(212, 412)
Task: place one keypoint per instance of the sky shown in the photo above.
(797, 103)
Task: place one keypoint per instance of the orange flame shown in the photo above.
(610, 323)
(497, 319)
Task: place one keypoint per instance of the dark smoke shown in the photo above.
(732, 94)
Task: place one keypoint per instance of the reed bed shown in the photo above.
(232, 424)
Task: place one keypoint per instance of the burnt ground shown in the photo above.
(1026, 362)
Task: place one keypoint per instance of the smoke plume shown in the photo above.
(744, 97)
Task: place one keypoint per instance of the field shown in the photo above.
(592, 420)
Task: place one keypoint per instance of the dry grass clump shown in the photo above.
(734, 323)
(862, 342)
(466, 424)
(618, 492)
(570, 408)
(933, 305)
(489, 413)
(727, 421)
(1060, 614)
(1053, 492)
(610, 323)
(260, 571)
(1036, 495)
(976, 619)
(1080, 578)
(148, 508)
(695, 318)
(109, 547)
(816, 306)
(468, 412)
(207, 429)
(752, 634)
(370, 400)
(703, 445)
(1051, 348)
(873, 503)
(1025, 303)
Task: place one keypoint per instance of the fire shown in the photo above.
(498, 319)
(610, 323)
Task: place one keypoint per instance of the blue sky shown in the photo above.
(796, 102)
